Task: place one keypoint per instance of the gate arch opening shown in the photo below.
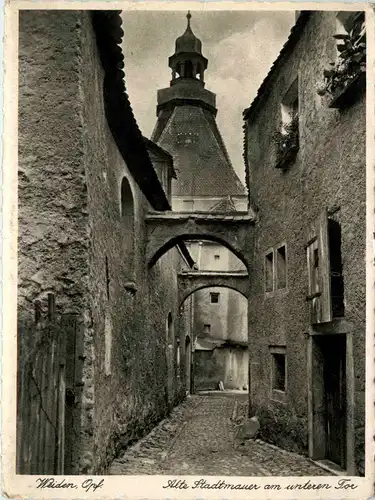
(167, 245)
(203, 287)
(221, 354)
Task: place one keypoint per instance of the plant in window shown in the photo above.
(351, 61)
(287, 141)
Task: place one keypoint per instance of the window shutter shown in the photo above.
(318, 265)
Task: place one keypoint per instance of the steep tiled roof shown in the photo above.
(200, 159)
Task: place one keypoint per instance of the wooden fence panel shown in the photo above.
(46, 357)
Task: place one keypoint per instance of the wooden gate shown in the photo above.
(46, 370)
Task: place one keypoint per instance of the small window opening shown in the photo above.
(269, 272)
(278, 382)
(289, 110)
(188, 69)
(107, 279)
(206, 328)
(217, 257)
(214, 297)
(281, 267)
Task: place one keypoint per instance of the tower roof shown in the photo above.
(188, 42)
(202, 164)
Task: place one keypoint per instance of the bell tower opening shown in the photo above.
(188, 62)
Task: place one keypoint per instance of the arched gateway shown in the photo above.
(192, 281)
(167, 229)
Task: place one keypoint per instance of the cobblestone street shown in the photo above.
(199, 438)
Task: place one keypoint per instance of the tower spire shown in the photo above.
(188, 61)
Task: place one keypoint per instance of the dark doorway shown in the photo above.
(188, 364)
(334, 373)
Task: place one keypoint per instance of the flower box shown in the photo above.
(345, 95)
(285, 157)
(287, 142)
(345, 79)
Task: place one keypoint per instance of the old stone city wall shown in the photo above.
(74, 238)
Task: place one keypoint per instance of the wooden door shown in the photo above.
(335, 394)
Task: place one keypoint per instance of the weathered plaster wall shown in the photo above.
(329, 171)
(136, 394)
(71, 230)
(52, 189)
(226, 364)
(53, 202)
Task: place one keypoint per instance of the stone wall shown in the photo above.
(52, 189)
(83, 236)
(329, 171)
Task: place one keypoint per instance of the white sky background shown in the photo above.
(240, 47)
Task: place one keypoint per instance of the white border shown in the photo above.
(152, 486)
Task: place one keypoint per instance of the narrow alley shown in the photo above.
(199, 438)
(175, 290)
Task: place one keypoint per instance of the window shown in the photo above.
(337, 278)
(324, 264)
(169, 329)
(206, 328)
(281, 269)
(269, 272)
(278, 370)
(214, 297)
(289, 107)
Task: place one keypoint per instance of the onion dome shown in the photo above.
(188, 42)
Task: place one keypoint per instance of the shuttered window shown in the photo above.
(319, 270)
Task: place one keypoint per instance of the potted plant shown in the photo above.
(350, 68)
(287, 142)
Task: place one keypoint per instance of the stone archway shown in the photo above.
(192, 281)
(167, 229)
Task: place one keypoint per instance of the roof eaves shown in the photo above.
(119, 114)
(158, 149)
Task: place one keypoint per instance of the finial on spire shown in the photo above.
(188, 17)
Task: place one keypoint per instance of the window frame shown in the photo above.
(270, 251)
(277, 248)
(277, 394)
(214, 295)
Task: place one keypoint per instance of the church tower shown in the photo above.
(187, 129)
(206, 181)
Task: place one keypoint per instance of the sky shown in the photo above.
(240, 47)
